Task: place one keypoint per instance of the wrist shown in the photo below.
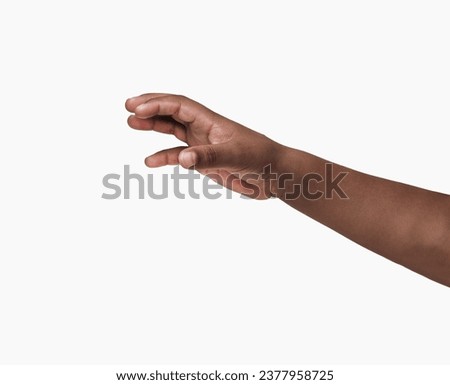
(287, 167)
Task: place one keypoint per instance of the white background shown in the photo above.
(85, 280)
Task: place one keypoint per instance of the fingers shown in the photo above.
(159, 124)
(133, 102)
(180, 108)
(209, 156)
(164, 157)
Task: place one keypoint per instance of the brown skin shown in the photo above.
(406, 224)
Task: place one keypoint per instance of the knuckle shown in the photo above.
(210, 155)
(182, 98)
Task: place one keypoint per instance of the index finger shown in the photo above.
(180, 108)
(135, 101)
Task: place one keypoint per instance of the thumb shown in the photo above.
(208, 156)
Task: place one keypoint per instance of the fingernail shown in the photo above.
(187, 158)
(138, 108)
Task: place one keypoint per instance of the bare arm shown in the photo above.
(406, 224)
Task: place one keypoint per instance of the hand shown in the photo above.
(225, 151)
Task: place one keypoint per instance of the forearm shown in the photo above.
(406, 224)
